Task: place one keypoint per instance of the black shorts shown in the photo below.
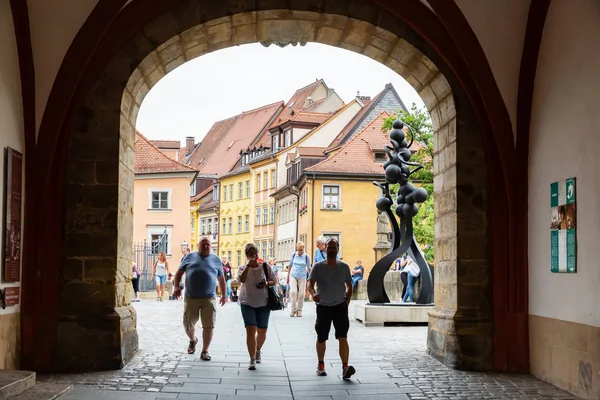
(328, 314)
(136, 284)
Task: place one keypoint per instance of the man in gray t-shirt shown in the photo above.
(332, 298)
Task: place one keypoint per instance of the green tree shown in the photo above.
(420, 123)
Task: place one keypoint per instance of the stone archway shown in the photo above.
(99, 177)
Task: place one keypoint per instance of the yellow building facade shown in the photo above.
(235, 215)
(337, 196)
(264, 180)
(343, 209)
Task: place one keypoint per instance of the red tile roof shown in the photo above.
(167, 144)
(356, 120)
(210, 142)
(248, 126)
(311, 151)
(314, 105)
(356, 156)
(202, 194)
(310, 117)
(295, 103)
(149, 159)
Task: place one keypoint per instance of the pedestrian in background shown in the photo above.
(159, 273)
(135, 281)
(299, 268)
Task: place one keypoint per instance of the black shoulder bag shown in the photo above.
(274, 302)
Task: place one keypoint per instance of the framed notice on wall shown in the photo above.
(563, 226)
(13, 179)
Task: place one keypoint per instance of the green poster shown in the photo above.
(554, 250)
(563, 226)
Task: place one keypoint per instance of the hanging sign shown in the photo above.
(563, 226)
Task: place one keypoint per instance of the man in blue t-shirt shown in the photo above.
(202, 270)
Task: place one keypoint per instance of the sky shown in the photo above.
(219, 85)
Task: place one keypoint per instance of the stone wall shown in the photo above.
(97, 235)
(95, 287)
(10, 346)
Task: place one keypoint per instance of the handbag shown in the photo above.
(274, 301)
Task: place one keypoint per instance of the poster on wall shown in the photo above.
(12, 296)
(13, 180)
(563, 226)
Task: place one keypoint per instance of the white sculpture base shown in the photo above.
(392, 313)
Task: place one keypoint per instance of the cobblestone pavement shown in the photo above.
(391, 363)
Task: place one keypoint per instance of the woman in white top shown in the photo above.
(256, 278)
(413, 272)
(159, 273)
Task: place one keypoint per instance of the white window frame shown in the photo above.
(271, 248)
(258, 221)
(248, 189)
(265, 215)
(230, 223)
(272, 214)
(339, 206)
(240, 226)
(209, 226)
(202, 226)
(159, 230)
(160, 190)
(193, 188)
(328, 234)
(247, 223)
(273, 178)
(263, 250)
(287, 134)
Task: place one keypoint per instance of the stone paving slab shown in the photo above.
(391, 363)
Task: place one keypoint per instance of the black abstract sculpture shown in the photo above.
(397, 171)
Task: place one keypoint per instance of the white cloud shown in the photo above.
(222, 84)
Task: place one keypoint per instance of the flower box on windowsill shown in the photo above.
(330, 207)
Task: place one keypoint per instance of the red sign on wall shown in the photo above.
(12, 223)
(11, 296)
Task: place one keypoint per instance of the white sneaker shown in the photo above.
(252, 365)
(258, 357)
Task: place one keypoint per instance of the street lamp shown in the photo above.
(184, 246)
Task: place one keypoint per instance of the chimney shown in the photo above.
(190, 143)
(362, 99)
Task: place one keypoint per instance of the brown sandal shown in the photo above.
(192, 346)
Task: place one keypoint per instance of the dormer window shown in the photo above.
(275, 142)
(379, 156)
(288, 138)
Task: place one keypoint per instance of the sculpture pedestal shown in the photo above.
(392, 313)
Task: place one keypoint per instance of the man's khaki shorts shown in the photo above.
(204, 309)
